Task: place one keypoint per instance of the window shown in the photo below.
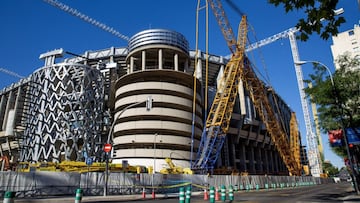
(351, 32)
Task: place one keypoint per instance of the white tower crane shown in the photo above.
(311, 138)
(86, 18)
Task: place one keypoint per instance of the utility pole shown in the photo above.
(108, 145)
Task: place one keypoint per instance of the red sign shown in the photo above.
(335, 137)
(107, 147)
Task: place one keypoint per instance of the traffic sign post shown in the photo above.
(107, 147)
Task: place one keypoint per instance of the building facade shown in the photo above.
(346, 42)
(157, 63)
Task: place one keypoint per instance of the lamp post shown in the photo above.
(354, 176)
(148, 102)
(154, 152)
(154, 168)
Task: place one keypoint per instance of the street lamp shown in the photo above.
(152, 175)
(354, 179)
(323, 65)
(154, 152)
(148, 102)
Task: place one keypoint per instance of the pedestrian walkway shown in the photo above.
(95, 199)
(346, 194)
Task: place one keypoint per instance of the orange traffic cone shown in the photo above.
(143, 193)
(153, 194)
(206, 196)
(217, 198)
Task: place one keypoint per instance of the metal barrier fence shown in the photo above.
(65, 183)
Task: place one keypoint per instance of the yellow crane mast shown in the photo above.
(239, 68)
(218, 120)
(259, 97)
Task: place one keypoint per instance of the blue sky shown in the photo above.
(32, 27)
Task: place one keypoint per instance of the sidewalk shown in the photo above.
(351, 196)
(94, 199)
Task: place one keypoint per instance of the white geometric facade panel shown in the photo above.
(64, 119)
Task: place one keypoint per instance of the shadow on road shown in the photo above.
(332, 197)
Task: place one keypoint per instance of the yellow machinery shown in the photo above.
(81, 167)
(238, 69)
(295, 139)
(174, 169)
(306, 170)
(30, 167)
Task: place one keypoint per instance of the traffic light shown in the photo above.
(149, 103)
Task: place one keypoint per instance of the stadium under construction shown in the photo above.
(68, 109)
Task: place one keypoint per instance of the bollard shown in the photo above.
(181, 195)
(188, 195)
(231, 193)
(236, 188)
(223, 193)
(217, 198)
(212, 196)
(78, 195)
(143, 193)
(9, 197)
(266, 186)
(257, 187)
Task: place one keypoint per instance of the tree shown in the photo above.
(338, 104)
(320, 16)
(330, 169)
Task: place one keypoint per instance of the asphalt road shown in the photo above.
(329, 193)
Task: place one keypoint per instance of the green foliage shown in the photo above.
(330, 169)
(340, 151)
(320, 16)
(338, 102)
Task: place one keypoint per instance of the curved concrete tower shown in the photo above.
(157, 66)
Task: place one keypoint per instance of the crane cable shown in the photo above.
(266, 78)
